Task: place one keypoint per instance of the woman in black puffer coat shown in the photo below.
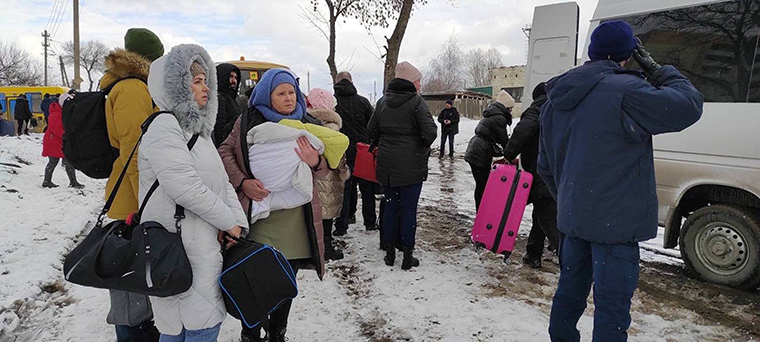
(489, 141)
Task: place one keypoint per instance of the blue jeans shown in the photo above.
(614, 270)
(402, 199)
(203, 335)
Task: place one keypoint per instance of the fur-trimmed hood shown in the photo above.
(121, 63)
(329, 118)
(169, 85)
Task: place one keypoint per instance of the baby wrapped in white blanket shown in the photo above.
(274, 162)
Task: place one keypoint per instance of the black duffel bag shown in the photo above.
(256, 279)
(141, 258)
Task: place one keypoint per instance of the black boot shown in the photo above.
(48, 181)
(277, 335)
(332, 253)
(532, 262)
(390, 255)
(72, 174)
(409, 260)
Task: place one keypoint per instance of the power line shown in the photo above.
(59, 20)
(52, 13)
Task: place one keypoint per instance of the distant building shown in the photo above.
(470, 104)
(512, 80)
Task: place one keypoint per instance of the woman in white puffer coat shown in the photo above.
(184, 82)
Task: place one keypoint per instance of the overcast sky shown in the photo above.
(275, 31)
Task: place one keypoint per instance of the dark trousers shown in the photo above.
(143, 332)
(279, 318)
(50, 167)
(481, 178)
(23, 126)
(614, 271)
(327, 228)
(450, 137)
(402, 201)
(367, 189)
(544, 223)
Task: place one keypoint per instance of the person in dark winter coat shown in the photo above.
(52, 147)
(596, 157)
(229, 109)
(47, 100)
(403, 130)
(490, 138)
(22, 114)
(449, 119)
(524, 142)
(355, 111)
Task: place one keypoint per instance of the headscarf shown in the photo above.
(321, 99)
(261, 97)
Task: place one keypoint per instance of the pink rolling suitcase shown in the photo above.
(501, 209)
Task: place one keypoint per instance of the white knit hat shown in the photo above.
(505, 99)
(407, 71)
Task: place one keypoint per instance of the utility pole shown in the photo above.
(46, 45)
(64, 77)
(308, 81)
(77, 79)
(374, 98)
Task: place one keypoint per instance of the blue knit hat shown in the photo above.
(612, 40)
(261, 97)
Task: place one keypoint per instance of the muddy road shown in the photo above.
(666, 289)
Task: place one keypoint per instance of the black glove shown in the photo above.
(645, 60)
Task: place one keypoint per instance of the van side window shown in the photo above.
(714, 45)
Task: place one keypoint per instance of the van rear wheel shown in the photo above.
(721, 244)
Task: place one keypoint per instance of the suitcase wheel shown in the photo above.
(503, 178)
(511, 233)
(479, 246)
(506, 255)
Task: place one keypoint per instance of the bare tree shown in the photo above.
(17, 67)
(445, 72)
(479, 62)
(91, 57)
(335, 10)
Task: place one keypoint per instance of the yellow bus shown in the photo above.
(9, 95)
(251, 71)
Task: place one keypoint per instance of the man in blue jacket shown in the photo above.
(596, 157)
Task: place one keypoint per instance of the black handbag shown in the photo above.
(143, 258)
(256, 279)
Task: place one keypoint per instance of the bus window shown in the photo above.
(35, 101)
(713, 45)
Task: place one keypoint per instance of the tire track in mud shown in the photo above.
(664, 289)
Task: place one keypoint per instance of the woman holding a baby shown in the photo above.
(279, 217)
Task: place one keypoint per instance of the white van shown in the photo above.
(708, 176)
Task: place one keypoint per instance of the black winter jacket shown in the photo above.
(524, 140)
(21, 110)
(452, 115)
(403, 129)
(355, 111)
(490, 135)
(229, 109)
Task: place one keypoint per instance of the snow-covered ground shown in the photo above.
(455, 295)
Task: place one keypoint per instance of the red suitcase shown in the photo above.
(501, 209)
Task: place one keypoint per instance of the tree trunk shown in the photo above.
(394, 42)
(331, 56)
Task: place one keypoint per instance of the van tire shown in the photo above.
(729, 245)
